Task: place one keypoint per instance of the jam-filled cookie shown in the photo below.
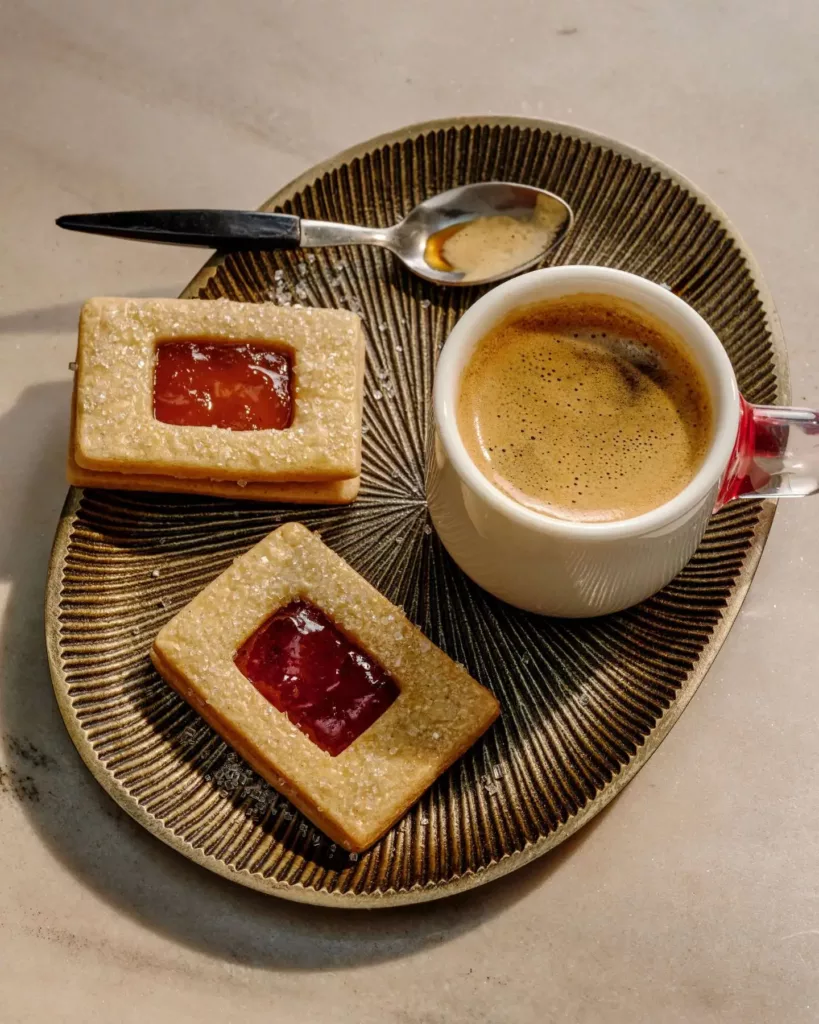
(232, 392)
(322, 685)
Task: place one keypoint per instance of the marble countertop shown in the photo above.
(695, 896)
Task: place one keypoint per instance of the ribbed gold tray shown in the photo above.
(584, 703)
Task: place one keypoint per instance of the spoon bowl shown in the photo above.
(460, 206)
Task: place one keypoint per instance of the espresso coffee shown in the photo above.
(585, 408)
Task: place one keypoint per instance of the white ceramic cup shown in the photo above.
(557, 567)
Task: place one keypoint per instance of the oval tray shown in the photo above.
(584, 703)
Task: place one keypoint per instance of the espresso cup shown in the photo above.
(576, 569)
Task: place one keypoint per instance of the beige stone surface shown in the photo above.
(695, 896)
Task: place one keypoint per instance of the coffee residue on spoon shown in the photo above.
(490, 246)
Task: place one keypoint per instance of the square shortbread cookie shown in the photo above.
(116, 430)
(356, 796)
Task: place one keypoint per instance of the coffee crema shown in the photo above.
(585, 408)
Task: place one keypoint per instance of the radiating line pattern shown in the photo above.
(583, 703)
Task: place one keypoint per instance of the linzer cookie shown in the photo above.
(322, 685)
(235, 393)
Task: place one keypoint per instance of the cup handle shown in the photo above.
(776, 454)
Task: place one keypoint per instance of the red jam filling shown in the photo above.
(324, 683)
(211, 384)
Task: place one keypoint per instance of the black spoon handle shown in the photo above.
(211, 229)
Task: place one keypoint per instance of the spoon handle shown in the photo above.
(210, 229)
(317, 233)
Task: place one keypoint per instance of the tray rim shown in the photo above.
(511, 862)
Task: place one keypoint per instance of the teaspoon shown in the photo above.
(470, 235)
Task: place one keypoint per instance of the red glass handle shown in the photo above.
(776, 454)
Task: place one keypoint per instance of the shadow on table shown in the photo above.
(99, 844)
(62, 316)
